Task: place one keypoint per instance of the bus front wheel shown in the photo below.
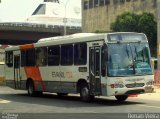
(121, 98)
(85, 95)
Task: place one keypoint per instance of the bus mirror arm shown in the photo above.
(104, 72)
(92, 73)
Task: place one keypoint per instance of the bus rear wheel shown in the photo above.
(85, 95)
(121, 98)
(30, 88)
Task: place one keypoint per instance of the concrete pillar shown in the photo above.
(158, 33)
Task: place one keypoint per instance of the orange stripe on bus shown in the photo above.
(34, 73)
(27, 46)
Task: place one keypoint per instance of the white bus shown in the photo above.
(110, 64)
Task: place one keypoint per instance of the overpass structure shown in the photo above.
(13, 33)
(49, 19)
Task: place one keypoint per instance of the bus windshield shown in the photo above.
(125, 59)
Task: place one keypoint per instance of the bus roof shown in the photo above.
(74, 38)
(77, 35)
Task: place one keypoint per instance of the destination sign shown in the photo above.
(127, 37)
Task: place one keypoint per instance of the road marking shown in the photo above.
(149, 106)
(4, 101)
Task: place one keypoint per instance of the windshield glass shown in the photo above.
(128, 59)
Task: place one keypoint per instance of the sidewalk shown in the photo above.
(151, 96)
(2, 81)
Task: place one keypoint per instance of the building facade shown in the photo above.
(99, 14)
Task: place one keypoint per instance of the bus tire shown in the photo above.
(31, 89)
(121, 98)
(85, 95)
(38, 93)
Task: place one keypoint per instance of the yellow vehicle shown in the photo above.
(154, 63)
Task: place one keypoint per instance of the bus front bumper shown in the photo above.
(130, 91)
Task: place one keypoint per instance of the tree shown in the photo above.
(100, 31)
(145, 23)
(125, 22)
(148, 25)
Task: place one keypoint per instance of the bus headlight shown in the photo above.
(117, 85)
(150, 83)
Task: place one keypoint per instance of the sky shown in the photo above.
(20, 10)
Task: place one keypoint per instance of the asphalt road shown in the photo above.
(16, 104)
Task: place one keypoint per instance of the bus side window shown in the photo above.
(80, 54)
(67, 55)
(23, 58)
(30, 57)
(53, 55)
(41, 56)
(9, 58)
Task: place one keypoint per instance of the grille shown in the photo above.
(133, 85)
(130, 92)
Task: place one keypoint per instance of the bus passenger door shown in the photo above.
(95, 70)
(17, 71)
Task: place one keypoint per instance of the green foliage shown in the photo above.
(145, 23)
(125, 22)
(100, 31)
(148, 25)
